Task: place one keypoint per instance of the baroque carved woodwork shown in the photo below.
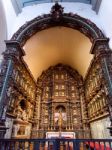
(96, 92)
(59, 90)
(20, 88)
(58, 18)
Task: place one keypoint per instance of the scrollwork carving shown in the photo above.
(61, 19)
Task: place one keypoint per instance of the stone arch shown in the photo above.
(57, 18)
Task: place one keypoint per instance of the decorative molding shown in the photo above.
(60, 79)
(57, 12)
(45, 21)
(100, 44)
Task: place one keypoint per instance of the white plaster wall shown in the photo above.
(33, 11)
(99, 129)
(105, 15)
(3, 29)
(10, 16)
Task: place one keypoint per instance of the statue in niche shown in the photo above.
(19, 112)
(56, 76)
(60, 115)
(56, 94)
(62, 87)
(74, 112)
(62, 76)
(75, 120)
(29, 111)
(62, 94)
(60, 118)
(73, 94)
(46, 95)
(24, 115)
(56, 87)
(47, 88)
(73, 88)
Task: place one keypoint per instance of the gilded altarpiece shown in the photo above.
(60, 90)
(18, 93)
(96, 93)
(60, 97)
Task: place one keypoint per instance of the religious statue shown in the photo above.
(60, 119)
(29, 111)
(24, 115)
(19, 112)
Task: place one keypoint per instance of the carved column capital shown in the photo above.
(13, 48)
(100, 45)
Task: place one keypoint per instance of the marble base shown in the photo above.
(99, 128)
(21, 129)
(60, 135)
(3, 129)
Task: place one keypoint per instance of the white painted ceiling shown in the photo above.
(32, 2)
(58, 45)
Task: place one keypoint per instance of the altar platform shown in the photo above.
(50, 135)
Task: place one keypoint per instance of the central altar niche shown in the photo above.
(59, 102)
(60, 117)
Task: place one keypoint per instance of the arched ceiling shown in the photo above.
(58, 45)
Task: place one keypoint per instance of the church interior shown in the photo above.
(56, 70)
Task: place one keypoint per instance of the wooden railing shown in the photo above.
(56, 144)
